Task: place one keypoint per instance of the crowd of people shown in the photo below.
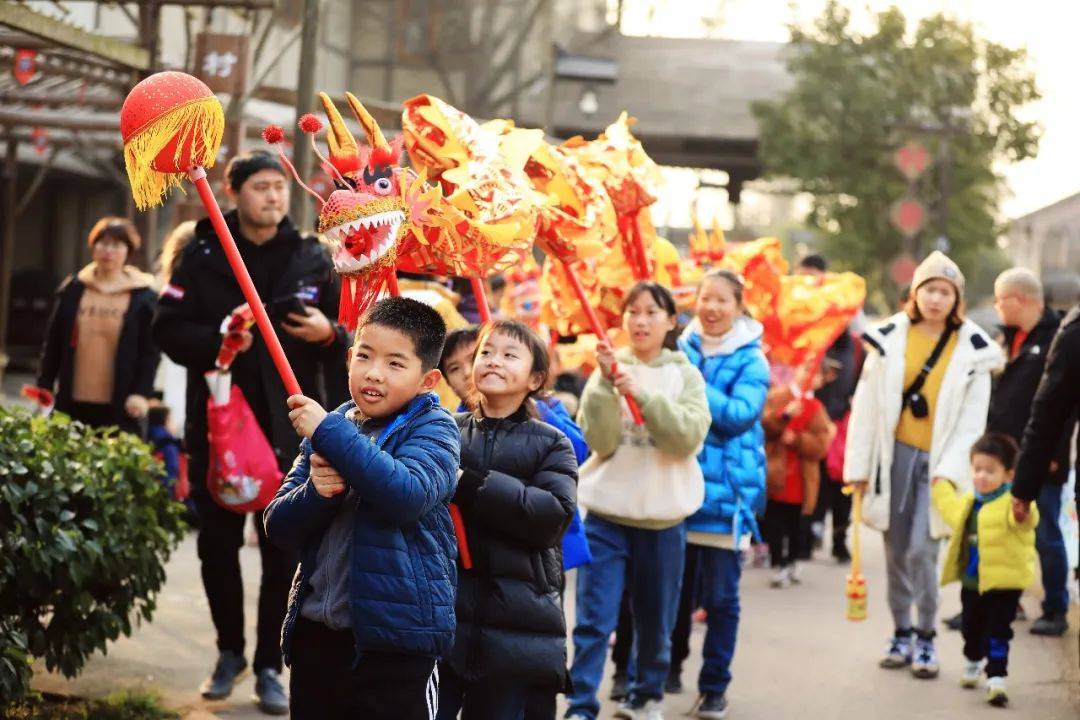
(414, 558)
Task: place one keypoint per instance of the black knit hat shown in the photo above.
(245, 165)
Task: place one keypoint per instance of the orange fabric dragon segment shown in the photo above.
(801, 315)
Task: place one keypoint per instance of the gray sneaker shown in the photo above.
(711, 706)
(270, 693)
(1050, 624)
(230, 667)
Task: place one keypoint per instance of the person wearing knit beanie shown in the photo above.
(938, 266)
(940, 269)
(920, 405)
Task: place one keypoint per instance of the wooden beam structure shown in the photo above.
(54, 99)
(60, 121)
(22, 18)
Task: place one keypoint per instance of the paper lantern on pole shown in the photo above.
(172, 127)
(170, 123)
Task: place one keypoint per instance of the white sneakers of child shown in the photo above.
(786, 577)
(995, 692)
(973, 670)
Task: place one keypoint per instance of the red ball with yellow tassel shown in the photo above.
(172, 126)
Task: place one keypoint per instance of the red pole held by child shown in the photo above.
(481, 299)
(247, 287)
(598, 331)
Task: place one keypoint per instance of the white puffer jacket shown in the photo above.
(959, 417)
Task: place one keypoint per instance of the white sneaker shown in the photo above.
(781, 578)
(794, 575)
(636, 709)
(995, 692)
(898, 653)
(973, 670)
(924, 662)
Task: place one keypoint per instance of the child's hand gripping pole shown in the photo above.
(598, 331)
(856, 583)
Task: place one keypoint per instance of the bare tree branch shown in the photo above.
(236, 103)
(127, 13)
(265, 72)
(260, 44)
(83, 150)
(494, 74)
(35, 184)
(188, 47)
(521, 87)
(437, 64)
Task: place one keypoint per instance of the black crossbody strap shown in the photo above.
(931, 361)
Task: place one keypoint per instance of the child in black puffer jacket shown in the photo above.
(517, 493)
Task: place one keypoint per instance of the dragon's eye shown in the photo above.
(383, 186)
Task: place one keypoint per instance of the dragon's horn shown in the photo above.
(342, 143)
(371, 128)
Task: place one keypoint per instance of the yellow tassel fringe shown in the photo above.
(203, 120)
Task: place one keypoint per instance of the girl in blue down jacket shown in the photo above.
(725, 345)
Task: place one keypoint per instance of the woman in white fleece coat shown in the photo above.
(913, 420)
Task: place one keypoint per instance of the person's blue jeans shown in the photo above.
(1053, 557)
(718, 594)
(655, 562)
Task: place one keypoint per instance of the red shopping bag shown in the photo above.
(243, 475)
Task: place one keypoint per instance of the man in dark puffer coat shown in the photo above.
(511, 630)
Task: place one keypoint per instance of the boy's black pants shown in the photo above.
(987, 627)
(324, 685)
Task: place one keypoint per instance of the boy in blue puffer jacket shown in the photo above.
(365, 505)
(725, 345)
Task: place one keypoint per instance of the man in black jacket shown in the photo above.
(290, 272)
(1053, 413)
(1029, 328)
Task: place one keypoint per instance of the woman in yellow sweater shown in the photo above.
(992, 554)
(920, 405)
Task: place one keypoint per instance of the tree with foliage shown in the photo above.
(86, 527)
(857, 97)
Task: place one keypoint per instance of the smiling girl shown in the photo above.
(920, 405)
(725, 345)
(517, 493)
(639, 485)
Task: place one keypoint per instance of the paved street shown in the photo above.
(797, 658)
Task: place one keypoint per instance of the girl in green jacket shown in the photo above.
(638, 486)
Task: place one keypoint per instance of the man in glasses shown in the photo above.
(1029, 327)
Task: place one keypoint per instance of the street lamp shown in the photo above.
(588, 104)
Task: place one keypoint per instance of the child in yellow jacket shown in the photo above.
(992, 554)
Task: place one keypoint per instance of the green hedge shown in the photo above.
(85, 530)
